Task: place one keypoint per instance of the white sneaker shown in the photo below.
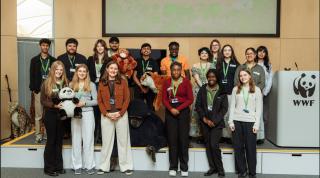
(184, 173)
(172, 173)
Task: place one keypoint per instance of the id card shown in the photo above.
(149, 69)
(76, 64)
(72, 70)
(55, 90)
(225, 81)
(210, 107)
(174, 100)
(246, 110)
(111, 101)
(44, 77)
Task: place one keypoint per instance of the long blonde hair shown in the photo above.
(75, 80)
(51, 80)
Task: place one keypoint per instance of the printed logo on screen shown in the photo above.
(304, 85)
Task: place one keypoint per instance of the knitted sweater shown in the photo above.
(237, 107)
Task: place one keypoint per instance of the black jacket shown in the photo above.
(92, 68)
(79, 59)
(35, 73)
(219, 106)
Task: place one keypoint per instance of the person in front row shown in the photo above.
(177, 96)
(244, 122)
(57, 79)
(83, 129)
(212, 105)
(113, 101)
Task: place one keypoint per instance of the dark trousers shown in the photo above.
(53, 150)
(97, 129)
(178, 138)
(149, 96)
(212, 137)
(244, 145)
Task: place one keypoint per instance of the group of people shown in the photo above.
(224, 93)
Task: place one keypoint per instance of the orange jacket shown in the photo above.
(121, 94)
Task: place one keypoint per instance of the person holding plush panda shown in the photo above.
(57, 79)
(82, 130)
(113, 101)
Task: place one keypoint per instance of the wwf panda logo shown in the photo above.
(304, 85)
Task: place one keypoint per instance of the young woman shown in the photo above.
(258, 77)
(211, 106)
(199, 71)
(263, 60)
(97, 65)
(226, 67)
(215, 48)
(177, 97)
(113, 101)
(53, 163)
(82, 130)
(244, 121)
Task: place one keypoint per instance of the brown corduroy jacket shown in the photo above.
(121, 94)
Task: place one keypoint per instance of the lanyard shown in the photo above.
(245, 98)
(173, 59)
(144, 68)
(71, 60)
(175, 88)
(45, 69)
(203, 69)
(225, 69)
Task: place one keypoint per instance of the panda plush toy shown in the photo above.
(68, 100)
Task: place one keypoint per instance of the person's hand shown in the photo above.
(211, 123)
(58, 106)
(143, 89)
(117, 115)
(254, 130)
(232, 128)
(174, 111)
(205, 120)
(80, 104)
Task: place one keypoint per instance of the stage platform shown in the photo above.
(23, 152)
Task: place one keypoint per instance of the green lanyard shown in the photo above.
(71, 60)
(225, 69)
(203, 69)
(175, 89)
(173, 59)
(45, 69)
(144, 68)
(245, 98)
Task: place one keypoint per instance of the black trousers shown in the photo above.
(53, 150)
(178, 138)
(149, 96)
(97, 120)
(244, 145)
(212, 138)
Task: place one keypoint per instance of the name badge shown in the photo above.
(232, 65)
(149, 68)
(224, 81)
(174, 100)
(55, 90)
(44, 77)
(76, 64)
(257, 73)
(72, 70)
(210, 107)
(111, 101)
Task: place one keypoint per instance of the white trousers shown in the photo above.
(108, 128)
(82, 131)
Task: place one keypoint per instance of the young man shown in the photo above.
(166, 62)
(39, 69)
(71, 59)
(144, 64)
(114, 44)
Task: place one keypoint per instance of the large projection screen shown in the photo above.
(251, 18)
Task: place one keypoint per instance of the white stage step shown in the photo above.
(269, 161)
